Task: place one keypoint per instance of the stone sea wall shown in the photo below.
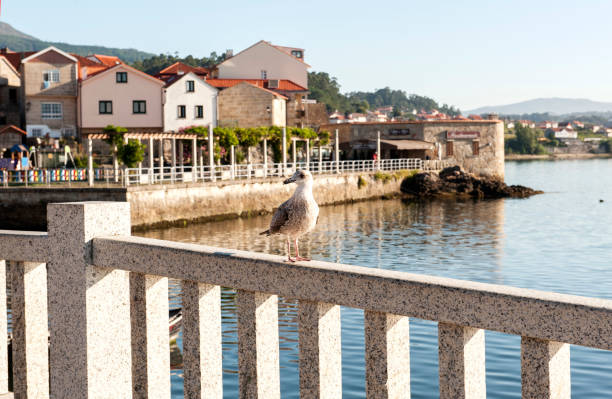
(159, 205)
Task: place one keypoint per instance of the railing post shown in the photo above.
(320, 350)
(387, 353)
(89, 306)
(30, 330)
(202, 348)
(150, 336)
(461, 359)
(90, 175)
(258, 351)
(3, 331)
(545, 369)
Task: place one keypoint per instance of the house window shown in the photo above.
(37, 132)
(139, 107)
(51, 76)
(199, 111)
(475, 147)
(264, 74)
(51, 110)
(296, 53)
(105, 107)
(13, 96)
(190, 86)
(121, 77)
(181, 111)
(449, 149)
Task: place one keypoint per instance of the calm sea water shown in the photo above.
(560, 241)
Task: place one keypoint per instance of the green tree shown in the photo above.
(525, 141)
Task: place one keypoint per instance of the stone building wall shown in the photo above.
(245, 105)
(488, 134)
(10, 95)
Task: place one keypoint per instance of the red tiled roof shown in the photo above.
(283, 84)
(12, 129)
(177, 67)
(475, 117)
(108, 60)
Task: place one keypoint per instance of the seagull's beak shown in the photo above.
(289, 180)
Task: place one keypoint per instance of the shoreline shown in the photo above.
(554, 157)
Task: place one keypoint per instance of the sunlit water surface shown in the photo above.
(559, 241)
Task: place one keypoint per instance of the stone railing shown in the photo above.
(107, 318)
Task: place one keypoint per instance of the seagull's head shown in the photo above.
(299, 177)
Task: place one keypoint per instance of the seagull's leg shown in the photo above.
(289, 258)
(297, 252)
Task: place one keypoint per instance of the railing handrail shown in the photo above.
(526, 312)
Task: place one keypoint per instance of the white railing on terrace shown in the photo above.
(107, 318)
(186, 174)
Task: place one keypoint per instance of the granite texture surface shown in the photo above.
(461, 362)
(89, 307)
(25, 246)
(258, 351)
(202, 345)
(150, 336)
(537, 314)
(387, 355)
(320, 350)
(545, 369)
(30, 331)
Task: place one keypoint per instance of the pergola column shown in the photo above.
(378, 150)
(173, 170)
(211, 153)
(337, 152)
(320, 158)
(90, 173)
(181, 156)
(161, 160)
(293, 149)
(194, 160)
(307, 154)
(284, 151)
(265, 156)
(151, 162)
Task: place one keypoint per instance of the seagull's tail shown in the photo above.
(267, 232)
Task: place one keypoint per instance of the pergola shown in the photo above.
(151, 137)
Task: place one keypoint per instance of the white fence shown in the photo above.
(201, 173)
(186, 174)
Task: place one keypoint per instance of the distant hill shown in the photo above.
(542, 105)
(19, 41)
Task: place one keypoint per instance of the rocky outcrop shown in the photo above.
(452, 181)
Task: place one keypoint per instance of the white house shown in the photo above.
(264, 60)
(564, 133)
(188, 101)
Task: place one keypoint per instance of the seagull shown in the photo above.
(296, 216)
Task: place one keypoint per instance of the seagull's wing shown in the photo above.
(281, 216)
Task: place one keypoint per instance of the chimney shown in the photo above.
(229, 53)
(84, 73)
(492, 116)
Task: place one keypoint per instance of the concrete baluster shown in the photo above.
(461, 358)
(89, 306)
(30, 330)
(3, 331)
(545, 369)
(258, 351)
(202, 350)
(150, 336)
(387, 355)
(320, 350)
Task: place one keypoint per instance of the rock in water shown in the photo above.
(453, 181)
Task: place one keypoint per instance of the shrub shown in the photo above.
(361, 182)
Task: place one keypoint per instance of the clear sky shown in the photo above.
(464, 53)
